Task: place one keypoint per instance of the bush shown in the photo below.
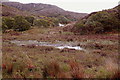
(4, 27)
(30, 19)
(76, 70)
(109, 21)
(79, 28)
(42, 23)
(8, 22)
(63, 20)
(54, 21)
(94, 27)
(51, 70)
(17, 23)
(46, 21)
(21, 24)
(99, 22)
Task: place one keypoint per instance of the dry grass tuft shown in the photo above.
(76, 70)
(116, 75)
(53, 70)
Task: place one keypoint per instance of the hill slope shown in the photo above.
(99, 22)
(11, 11)
(44, 10)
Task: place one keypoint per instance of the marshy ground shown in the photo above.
(99, 59)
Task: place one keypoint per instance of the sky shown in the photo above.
(81, 6)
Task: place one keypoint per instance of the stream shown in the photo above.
(57, 44)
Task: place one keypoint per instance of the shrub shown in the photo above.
(52, 70)
(54, 21)
(46, 22)
(76, 70)
(94, 27)
(8, 22)
(118, 9)
(30, 19)
(116, 75)
(42, 23)
(79, 28)
(4, 27)
(109, 21)
(17, 23)
(63, 20)
(103, 73)
(7, 68)
(21, 24)
(100, 22)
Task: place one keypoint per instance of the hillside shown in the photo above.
(99, 22)
(11, 11)
(44, 10)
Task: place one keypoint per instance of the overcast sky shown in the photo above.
(82, 6)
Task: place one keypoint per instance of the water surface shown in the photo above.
(58, 44)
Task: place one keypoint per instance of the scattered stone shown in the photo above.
(60, 32)
(79, 44)
(31, 46)
(98, 46)
(103, 54)
(95, 70)
(14, 60)
(97, 51)
(69, 40)
(67, 50)
(89, 66)
(49, 49)
(66, 61)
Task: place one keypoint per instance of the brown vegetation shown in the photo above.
(66, 63)
(98, 59)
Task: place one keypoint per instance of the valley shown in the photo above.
(93, 61)
(45, 41)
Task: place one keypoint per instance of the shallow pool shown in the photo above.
(59, 45)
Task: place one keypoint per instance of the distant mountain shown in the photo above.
(11, 11)
(39, 9)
